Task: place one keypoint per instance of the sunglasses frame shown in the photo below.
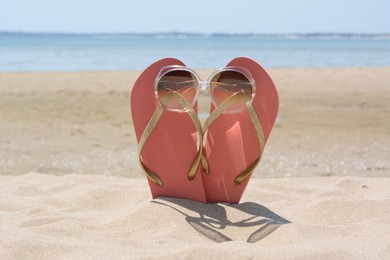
(204, 84)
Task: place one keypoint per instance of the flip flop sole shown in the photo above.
(232, 143)
(172, 145)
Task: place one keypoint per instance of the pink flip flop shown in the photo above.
(235, 142)
(169, 149)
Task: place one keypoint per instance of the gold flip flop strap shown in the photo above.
(256, 123)
(149, 129)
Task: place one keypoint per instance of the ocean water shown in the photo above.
(56, 52)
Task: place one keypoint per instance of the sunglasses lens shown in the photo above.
(177, 90)
(231, 91)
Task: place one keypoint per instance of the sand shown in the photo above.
(71, 186)
(92, 216)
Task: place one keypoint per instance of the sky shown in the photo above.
(200, 16)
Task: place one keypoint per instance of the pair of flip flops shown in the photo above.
(234, 143)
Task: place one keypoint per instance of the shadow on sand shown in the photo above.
(211, 219)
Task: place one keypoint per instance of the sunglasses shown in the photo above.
(231, 89)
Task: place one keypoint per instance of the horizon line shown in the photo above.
(181, 33)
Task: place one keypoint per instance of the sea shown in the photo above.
(74, 52)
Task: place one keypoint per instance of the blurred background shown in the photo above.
(120, 35)
(67, 68)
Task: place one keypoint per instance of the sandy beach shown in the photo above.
(71, 186)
